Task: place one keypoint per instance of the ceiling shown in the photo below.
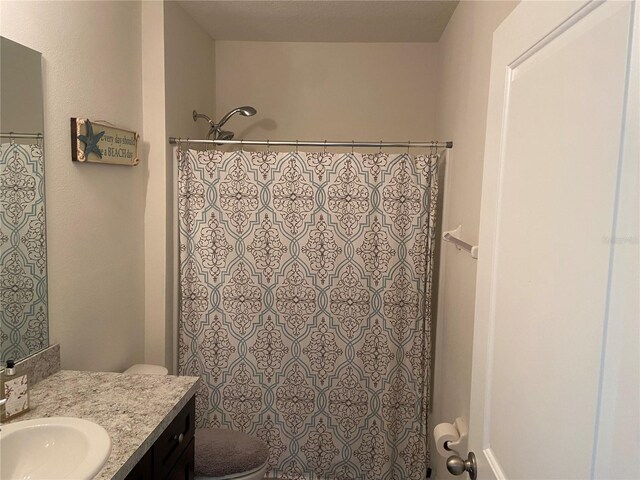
(322, 20)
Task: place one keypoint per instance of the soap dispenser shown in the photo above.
(15, 390)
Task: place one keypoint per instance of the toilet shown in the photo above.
(145, 369)
(221, 454)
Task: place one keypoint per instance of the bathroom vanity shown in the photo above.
(149, 418)
(171, 456)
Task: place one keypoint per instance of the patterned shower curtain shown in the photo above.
(23, 257)
(305, 286)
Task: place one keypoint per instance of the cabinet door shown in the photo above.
(184, 467)
(172, 455)
(143, 469)
(172, 442)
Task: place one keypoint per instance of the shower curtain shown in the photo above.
(305, 305)
(23, 257)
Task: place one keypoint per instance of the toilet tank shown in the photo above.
(146, 369)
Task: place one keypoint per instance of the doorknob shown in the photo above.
(457, 466)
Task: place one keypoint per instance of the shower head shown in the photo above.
(216, 128)
(245, 111)
(224, 135)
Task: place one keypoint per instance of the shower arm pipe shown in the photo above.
(315, 143)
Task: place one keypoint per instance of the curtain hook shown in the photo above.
(296, 146)
(12, 139)
(408, 146)
(434, 149)
(380, 150)
(267, 145)
(325, 147)
(242, 145)
(40, 140)
(352, 145)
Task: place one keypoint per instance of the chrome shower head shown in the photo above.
(224, 135)
(245, 111)
(216, 128)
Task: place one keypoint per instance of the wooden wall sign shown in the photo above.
(97, 142)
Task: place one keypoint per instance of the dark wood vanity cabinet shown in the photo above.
(171, 457)
(183, 469)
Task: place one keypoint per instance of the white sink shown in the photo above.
(53, 448)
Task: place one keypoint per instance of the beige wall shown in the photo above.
(110, 230)
(155, 222)
(180, 78)
(317, 91)
(95, 213)
(464, 54)
(190, 73)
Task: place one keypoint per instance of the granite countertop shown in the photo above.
(133, 409)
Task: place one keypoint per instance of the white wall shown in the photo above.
(95, 213)
(190, 73)
(464, 54)
(155, 220)
(317, 91)
(186, 53)
(110, 229)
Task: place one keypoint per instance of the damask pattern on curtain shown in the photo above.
(305, 286)
(23, 256)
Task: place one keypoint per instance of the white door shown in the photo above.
(555, 361)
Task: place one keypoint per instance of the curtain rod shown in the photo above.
(307, 143)
(20, 135)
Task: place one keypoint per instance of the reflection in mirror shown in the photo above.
(24, 327)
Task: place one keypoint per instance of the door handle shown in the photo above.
(457, 466)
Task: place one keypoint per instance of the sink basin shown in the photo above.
(53, 448)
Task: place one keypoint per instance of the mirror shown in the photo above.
(24, 325)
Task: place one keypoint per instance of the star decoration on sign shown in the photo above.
(91, 141)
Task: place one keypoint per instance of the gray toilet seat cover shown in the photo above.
(221, 452)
